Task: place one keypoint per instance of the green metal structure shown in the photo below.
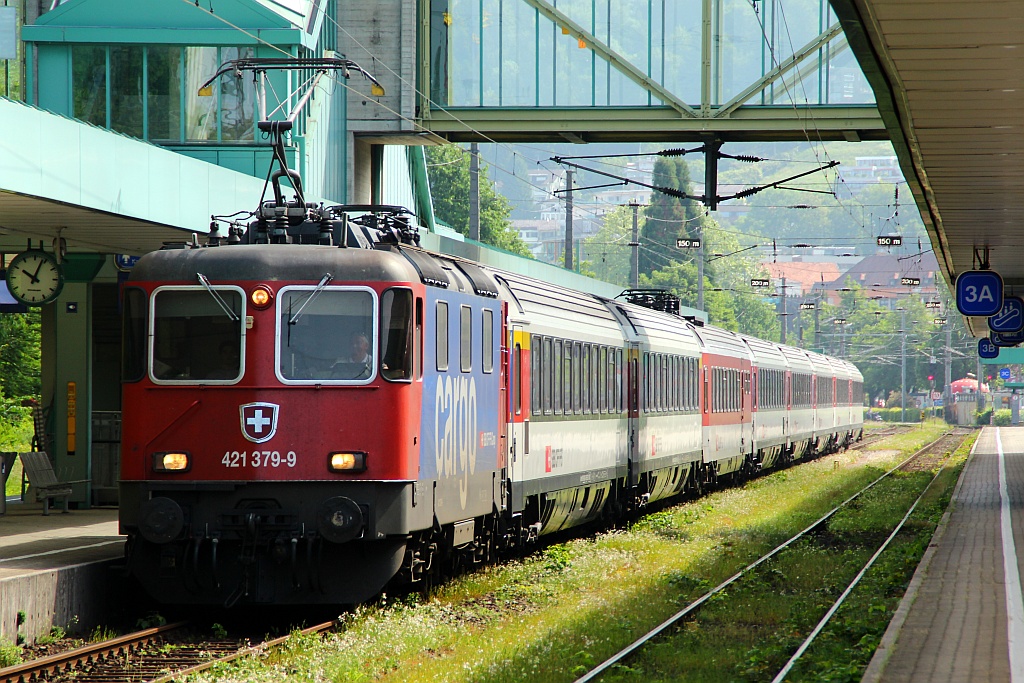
(136, 68)
(621, 70)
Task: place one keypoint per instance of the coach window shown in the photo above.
(619, 393)
(656, 362)
(647, 382)
(567, 377)
(396, 334)
(197, 334)
(585, 379)
(556, 380)
(609, 370)
(546, 371)
(535, 374)
(488, 340)
(466, 338)
(603, 380)
(576, 378)
(133, 335)
(441, 337)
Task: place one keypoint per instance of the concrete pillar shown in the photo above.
(362, 172)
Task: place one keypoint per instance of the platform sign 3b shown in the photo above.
(986, 349)
(979, 293)
(1010, 318)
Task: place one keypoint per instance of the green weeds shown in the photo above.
(555, 614)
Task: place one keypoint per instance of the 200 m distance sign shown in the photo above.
(979, 293)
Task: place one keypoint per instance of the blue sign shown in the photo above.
(986, 349)
(1007, 339)
(1004, 373)
(1010, 318)
(125, 262)
(979, 293)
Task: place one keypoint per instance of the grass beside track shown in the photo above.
(557, 613)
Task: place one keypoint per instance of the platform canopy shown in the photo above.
(102, 191)
(948, 77)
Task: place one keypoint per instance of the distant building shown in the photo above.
(871, 170)
(801, 276)
(882, 277)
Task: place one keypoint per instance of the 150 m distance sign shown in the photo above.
(979, 293)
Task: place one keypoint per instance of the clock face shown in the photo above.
(34, 278)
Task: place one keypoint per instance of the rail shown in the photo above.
(690, 609)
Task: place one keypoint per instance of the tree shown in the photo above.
(19, 354)
(448, 172)
(608, 251)
(667, 217)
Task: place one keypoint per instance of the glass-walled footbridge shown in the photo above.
(627, 70)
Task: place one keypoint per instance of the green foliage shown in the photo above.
(151, 620)
(667, 217)
(55, 633)
(1001, 418)
(983, 417)
(896, 414)
(448, 171)
(219, 631)
(607, 251)
(101, 633)
(10, 654)
(19, 354)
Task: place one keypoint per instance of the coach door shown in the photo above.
(519, 417)
(633, 410)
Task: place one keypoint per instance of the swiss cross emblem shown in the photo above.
(259, 421)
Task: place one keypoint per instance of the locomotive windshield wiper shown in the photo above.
(205, 282)
(324, 281)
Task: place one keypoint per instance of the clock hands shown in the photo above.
(34, 277)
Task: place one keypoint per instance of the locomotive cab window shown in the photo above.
(133, 335)
(328, 335)
(197, 335)
(396, 335)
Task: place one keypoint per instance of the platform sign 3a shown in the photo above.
(979, 293)
(986, 349)
(1010, 318)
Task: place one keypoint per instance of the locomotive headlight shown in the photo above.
(261, 296)
(347, 461)
(174, 461)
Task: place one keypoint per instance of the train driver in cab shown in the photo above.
(358, 364)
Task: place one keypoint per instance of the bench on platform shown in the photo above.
(43, 480)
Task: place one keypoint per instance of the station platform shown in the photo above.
(57, 569)
(962, 618)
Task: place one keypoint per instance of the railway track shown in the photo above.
(928, 455)
(876, 435)
(154, 655)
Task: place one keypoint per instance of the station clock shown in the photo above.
(34, 277)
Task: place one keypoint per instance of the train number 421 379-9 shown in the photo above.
(258, 459)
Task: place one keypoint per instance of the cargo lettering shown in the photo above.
(455, 433)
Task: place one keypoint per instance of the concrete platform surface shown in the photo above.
(56, 570)
(962, 619)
